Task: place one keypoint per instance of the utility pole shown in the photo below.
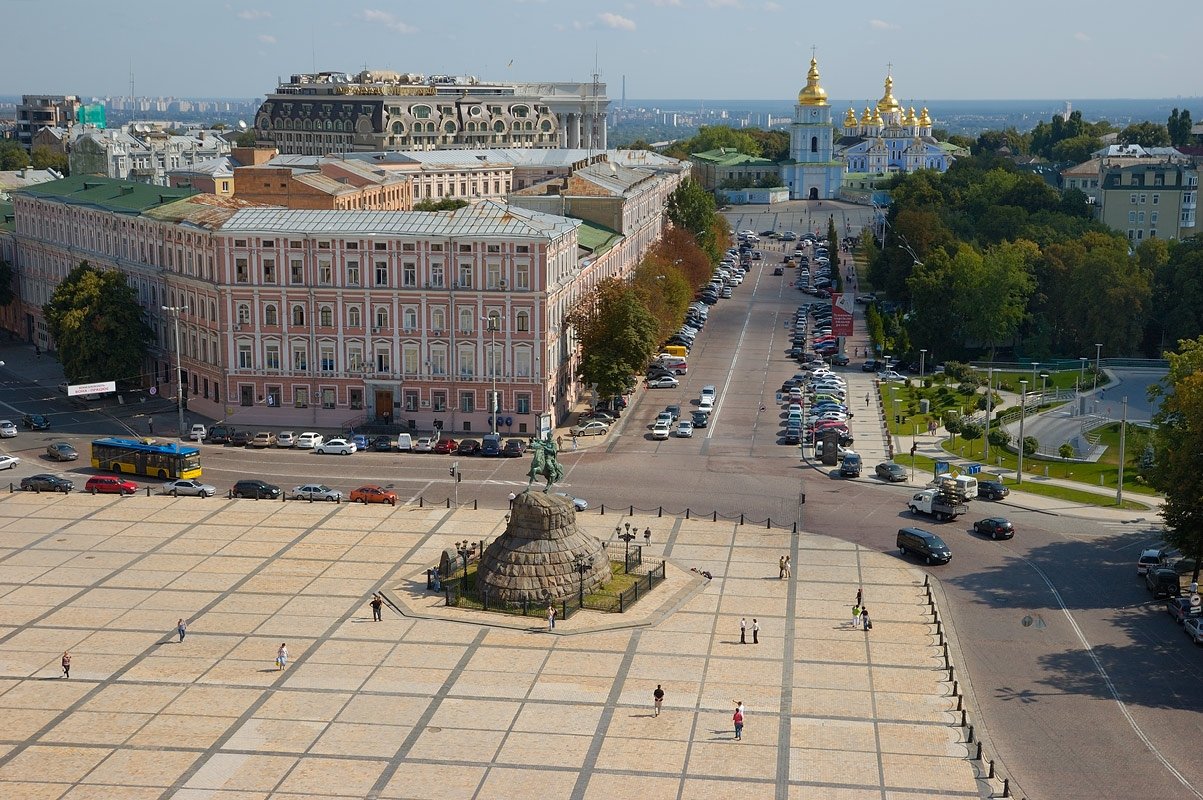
(1023, 403)
(989, 409)
(1123, 434)
(179, 370)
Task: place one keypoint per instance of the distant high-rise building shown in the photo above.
(38, 111)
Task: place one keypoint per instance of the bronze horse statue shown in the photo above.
(543, 462)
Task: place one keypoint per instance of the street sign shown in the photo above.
(1196, 601)
(941, 467)
(153, 390)
(77, 389)
(973, 469)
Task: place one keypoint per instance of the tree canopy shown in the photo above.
(97, 326)
(1178, 127)
(1145, 134)
(617, 335)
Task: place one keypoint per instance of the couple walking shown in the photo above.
(860, 614)
(783, 567)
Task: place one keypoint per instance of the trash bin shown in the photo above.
(924, 405)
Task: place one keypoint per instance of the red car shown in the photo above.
(446, 446)
(107, 484)
(374, 494)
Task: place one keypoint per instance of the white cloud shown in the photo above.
(253, 14)
(771, 6)
(723, 3)
(675, 3)
(616, 21)
(1081, 37)
(882, 25)
(267, 38)
(385, 20)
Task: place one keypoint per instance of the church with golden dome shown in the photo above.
(813, 172)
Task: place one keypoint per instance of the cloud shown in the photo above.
(882, 25)
(675, 3)
(771, 6)
(253, 14)
(1081, 37)
(616, 21)
(267, 38)
(385, 20)
(723, 3)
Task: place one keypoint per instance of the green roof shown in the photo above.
(728, 157)
(596, 238)
(121, 197)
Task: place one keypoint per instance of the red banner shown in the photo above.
(841, 313)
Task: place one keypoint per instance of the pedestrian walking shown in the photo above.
(181, 628)
(743, 630)
(647, 536)
(150, 425)
(574, 442)
(865, 622)
(858, 597)
(738, 719)
(512, 498)
(781, 568)
(551, 617)
(658, 698)
(282, 657)
(559, 442)
(755, 631)
(856, 614)
(377, 603)
(789, 571)
(66, 663)
(866, 401)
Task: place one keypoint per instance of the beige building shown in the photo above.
(1146, 193)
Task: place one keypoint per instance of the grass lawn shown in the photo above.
(940, 397)
(1063, 379)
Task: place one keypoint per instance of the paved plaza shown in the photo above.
(444, 703)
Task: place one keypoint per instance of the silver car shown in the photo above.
(189, 488)
(315, 491)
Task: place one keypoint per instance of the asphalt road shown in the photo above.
(1047, 701)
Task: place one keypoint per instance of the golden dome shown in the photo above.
(877, 120)
(813, 94)
(911, 119)
(924, 119)
(867, 117)
(887, 103)
(850, 118)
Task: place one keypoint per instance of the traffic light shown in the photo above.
(451, 471)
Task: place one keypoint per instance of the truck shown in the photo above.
(963, 486)
(942, 504)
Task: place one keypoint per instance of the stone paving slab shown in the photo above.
(444, 702)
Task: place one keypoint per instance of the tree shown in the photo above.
(443, 204)
(971, 431)
(1178, 127)
(1145, 134)
(1076, 149)
(246, 138)
(97, 326)
(692, 208)
(1177, 469)
(45, 158)
(1030, 445)
(617, 335)
(998, 437)
(954, 423)
(13, 156)
(1066, 450)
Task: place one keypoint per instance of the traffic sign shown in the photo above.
(1196, 601)
(153, 390)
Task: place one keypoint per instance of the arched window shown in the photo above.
(522, 321)
(465, 320)
(298, 316)
(814, 144)
(353, 317)
(269, 315)
(212, 311)
(380, 317)
(449, 127)
(410, 317)
(326, 317)
(438, 320)
(398, 127)
(244, 314)
(499, 126)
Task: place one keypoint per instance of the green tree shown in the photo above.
(971, 431)
(1030, 445)
(45, 158)
(1177, 469)
(97, 326)
(1145, 134)
(953, 422)
(443, 204)
(13, 156)
(617, 334)
(691, 208)
(1065, 451)
(1076, 148)
(998, 437)
(1178, 127)
(1177, 290)
(246, 138)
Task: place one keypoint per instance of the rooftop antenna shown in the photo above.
(595, 129)
(131, 79)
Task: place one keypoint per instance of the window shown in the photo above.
(326, 359)
(244, 314)
(522, 248)
(1132, 199)
(269, 315)
(409, 274)
(438, 320)
(1142, 199)
(1156, 197)
(438, 361)
(298, 316)
(355, 358)
(409, 359)
(244, 356)
(522, 276)
(241, 274)
(1140, 218)
(383, 362)
(465, 276)
(296, 271)
(522, 321)
(382, 273)
(495, 364)
(1131, 217)
(328, 397)
(300, 397)
(269, 270)
(300, 359)
(352, 273)
(1153, 217)
(325, 316)
(438, 401)
(325, 273)
(436, 275)
(522, 362)
(355, 398)
(380, 318)
(380, 245)
(409, 318)
(272, 355)
(493, 276)
(493, 248)
(465, 320)
(411, 400)
(467, 402)
(522, 403)
(814, 144)
(354, 317)
(467, 360)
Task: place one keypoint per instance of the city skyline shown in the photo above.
(725, 49)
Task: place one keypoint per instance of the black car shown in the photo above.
(700, 419)
(252, 487)
(490, 446)
(382, 444)
(514, 448)
(793, 434)
(872, 366)
(995, 527)
(220, 434)
(1163, 582)
(468, 447)
(46, 483)
(675, 410)
(242, 438)
(889, 471)
(61, 451)
(37, 422)
(991, 490)
(839, 360)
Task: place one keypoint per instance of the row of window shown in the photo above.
(437, 363)
(1139, 217)
(435, 276)
(382, 317)
(412, 400)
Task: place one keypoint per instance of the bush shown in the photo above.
(958, 370)
(998, 437)
(953, 422)
(1030, 445)
(1066, 450)
(927, 383)
(995, 401)
(966, 388)
(971, 431)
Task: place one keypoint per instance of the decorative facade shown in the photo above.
(888, 138)
(813, 172)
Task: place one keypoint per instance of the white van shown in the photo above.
(405, 442)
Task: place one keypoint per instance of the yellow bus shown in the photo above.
(132, 457)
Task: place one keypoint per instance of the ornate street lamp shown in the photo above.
(626, 537)
(582, 565)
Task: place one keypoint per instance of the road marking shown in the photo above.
(718, 407)
(1098, 664)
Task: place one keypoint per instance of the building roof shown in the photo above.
(8, 221)
(201, 210)
(730, 157)
(20, 178)
(119, 197)
(486, 218)
(596, 238)
(220, 167)
(503, 156)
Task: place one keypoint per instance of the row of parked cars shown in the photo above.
(488, 445)
(1163, 576)
(249, 487)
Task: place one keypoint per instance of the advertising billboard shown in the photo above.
(841, 314)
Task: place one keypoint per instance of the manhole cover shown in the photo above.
(1033, 621)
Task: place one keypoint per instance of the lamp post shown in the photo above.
(493, 320)
(1043, 385)
(1023, 404)
(626, 537)
(922, 360)
(1082, 372)
(464, 549)
(1098, 353)
(1034, 365)
(1123, 434)
(582, 565)
(179, 369)
(989, 409)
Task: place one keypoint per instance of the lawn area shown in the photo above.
(1063, 379)
(941, 397)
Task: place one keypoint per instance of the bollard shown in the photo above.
(448, 502)
(311, 498)
(686, 513)
(956, 690)
(959, 700)
(795, 527)
(768, 524)
(741, 519)
(979, 754)
(951, 672)
(660, 512)
(603, 509)
(421, 501)
(229, 494)
(631, 511)
(10, 488)
(715, 517)
(927, 581)
(1006, 787)
(964, 721)
(969, 738)
(474, 506)
(148, 491)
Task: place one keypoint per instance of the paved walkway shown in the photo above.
(454, 706)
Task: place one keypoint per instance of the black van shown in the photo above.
(924, 544)
(1163, 582)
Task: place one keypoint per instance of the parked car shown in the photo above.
(663, 382)
(991, 490)
(1180, 609)
(253, 487)
(994, 527)
(445, 446)
(335, 446)
(315, 491)
(264, 439)
(360, 441)
(109, 484)
(685, 429)
(381, 444)
(700, 419)
(219, 434)
(46, 483)
(889, 471)
(890, 375)
(871, 366)
(1194, 629)
(839, 360)
(373, 494)
(593, 427)
(468, 447)
(1163, 582)
(61, 451)
(490, 445)
(242, 438)
(286, 439)
(578, 503)
(425, 444)
(37, 422)
(514, 448)
(661, 429)
(308, 440)
(7, 429)
(188, 488)
(1152, 557)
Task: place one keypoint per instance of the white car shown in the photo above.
(337, 446)
(188, 488)
(685, 429)
(308, 440)
(890, 375)
(315, 491)
(663, 382)
(424, 444)
(7, 429)
(661, 430)
(8, 462)
(1194, 628)
(286, 439)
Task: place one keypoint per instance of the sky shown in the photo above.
(678, 49)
